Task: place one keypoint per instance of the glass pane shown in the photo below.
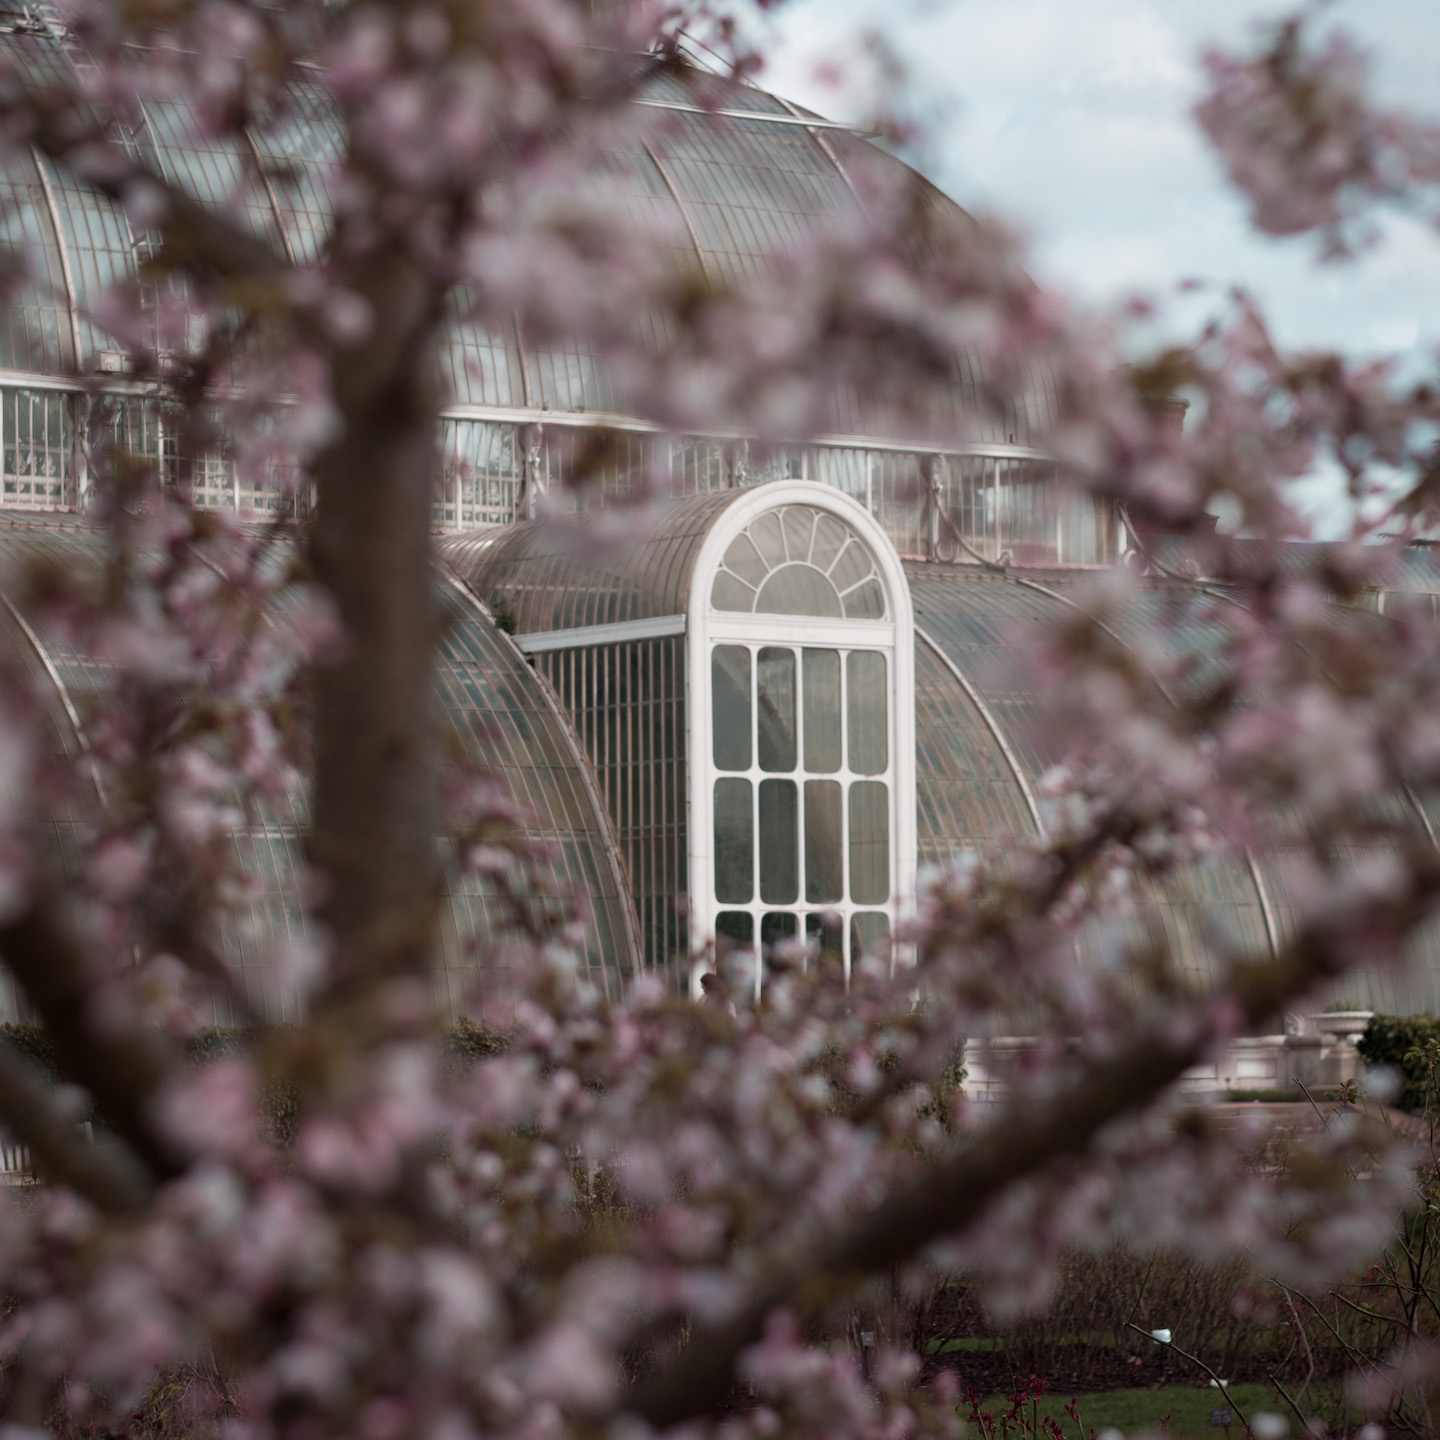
(765, 532)
(730, 706)
(779, 872)
(822, 711)
(734, 842)
(729, 594)
(775, 708)
(799, 527)
(734, 930)
(777, 927)
(743, 558)
(869, 842)
(798, 590)
(869, 933)
(867, 712)
(852, 567)
(866, 602)
(824, 877)
(826, 931)
(830, 538)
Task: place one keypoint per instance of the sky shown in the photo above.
(1072, 119)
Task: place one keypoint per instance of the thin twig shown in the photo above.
(1285, 1395)
(1195, 1360)
(1306, 1093)
(1304, 1340)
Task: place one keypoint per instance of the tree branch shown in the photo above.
(121, 1067)
(946, 1197)
(108, 1178)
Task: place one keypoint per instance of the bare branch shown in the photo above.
(1197, 1361)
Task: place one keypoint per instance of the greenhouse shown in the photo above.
(757, 725)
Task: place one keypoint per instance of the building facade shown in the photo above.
(755, 726)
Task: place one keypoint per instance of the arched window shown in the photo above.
(799, 561)
(803, 792)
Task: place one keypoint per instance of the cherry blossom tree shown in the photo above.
(641, 1213)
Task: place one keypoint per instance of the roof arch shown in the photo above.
(494, 710)
(734, 175)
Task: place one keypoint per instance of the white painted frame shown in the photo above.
(895, 636)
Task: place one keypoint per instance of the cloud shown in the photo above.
(1072, 118)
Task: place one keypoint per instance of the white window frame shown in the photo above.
(706, 627)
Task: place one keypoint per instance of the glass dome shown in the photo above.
(724, 192)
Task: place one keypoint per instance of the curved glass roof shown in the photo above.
(971, 619)
(496, 713)
(721, 193)
(548, 577)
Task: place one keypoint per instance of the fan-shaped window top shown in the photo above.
(799, 561)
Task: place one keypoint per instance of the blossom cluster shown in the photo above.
(632, 1212)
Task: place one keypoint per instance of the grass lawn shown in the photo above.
(1132, 1411)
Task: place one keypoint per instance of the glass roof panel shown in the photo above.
(966, 795)
(714, 91)
(545, 576)
(480, 368)
(499, 716)
(216, 170)
(36, 332)
(496, 713)
(97, 240)
(750, 189)
(302, 149)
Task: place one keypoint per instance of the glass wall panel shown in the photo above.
(779, 853)
(736, 926)
(869, 842)
(37, 446)
(775, 708)
(869, 934)
(777, 927)
(866, 602)
(482, 474)
(867, 711)
(628, 706)
(821, 670)
(735, 841)
(730, 593)
(700, 465)
(730, 716)
(824, 873)
(826, 931)
(769, 539)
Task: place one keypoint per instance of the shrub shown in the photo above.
(1399, 1041)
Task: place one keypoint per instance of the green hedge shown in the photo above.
(1389, 1039)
